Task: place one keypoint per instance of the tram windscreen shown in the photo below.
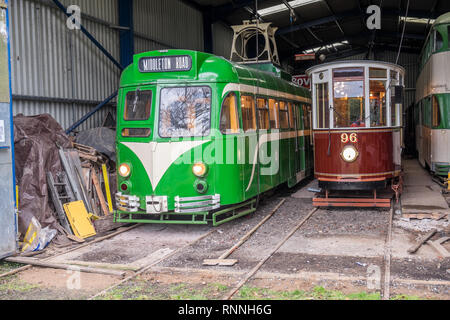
(349, 110)
(185, 112)
(138, 105)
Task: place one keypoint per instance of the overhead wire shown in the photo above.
(403, 33)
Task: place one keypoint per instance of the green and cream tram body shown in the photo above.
(432, 107)
(199, 138)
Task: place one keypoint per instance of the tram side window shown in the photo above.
(436, 112)
(322, 103)
(274, 114)
(229, 119)
(138, 105)
(438, 41)
(185, 112)
(248, 113)
(263, 114)
(377, 103)
(394, 106)
(291, 115)
(349, 109)
(284, 117)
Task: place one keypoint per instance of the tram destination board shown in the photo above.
(165, 64)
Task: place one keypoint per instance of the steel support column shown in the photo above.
(126, 32)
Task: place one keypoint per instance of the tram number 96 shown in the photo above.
(353, 138)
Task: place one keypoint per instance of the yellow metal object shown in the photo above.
(79, 219)
(448, 182)
(108, 191)
(17, 197)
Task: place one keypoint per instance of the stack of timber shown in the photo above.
(82, 192)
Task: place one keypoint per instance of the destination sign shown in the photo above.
(165, 64)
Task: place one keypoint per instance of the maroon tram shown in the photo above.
(357, 115)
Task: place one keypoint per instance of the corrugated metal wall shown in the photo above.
(222, 40)
(164, 24)
(54, 63)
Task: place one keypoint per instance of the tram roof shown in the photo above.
(444, 19)
(356, 63)
(206, 68)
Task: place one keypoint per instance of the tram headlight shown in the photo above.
(199, 169)
(124, 170)
(349, 153)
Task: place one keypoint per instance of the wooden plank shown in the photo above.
(420, 216)
(424, 239)
(107, 189)
(437, 245)
(100, 194)
(121, 230)
(88, 156)
(220, 262)
(105, 224)
(38, 263)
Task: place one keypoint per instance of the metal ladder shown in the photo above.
(61, 193)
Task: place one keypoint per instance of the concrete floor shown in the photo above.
(420, 192)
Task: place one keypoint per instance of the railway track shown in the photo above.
(387, 256)
(385, 290)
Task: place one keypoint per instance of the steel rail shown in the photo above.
(233, 291)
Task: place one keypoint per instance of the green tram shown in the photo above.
(200, 138)
(432, 106)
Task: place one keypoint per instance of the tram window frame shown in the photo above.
(126, 133)
(360, 77)
(395, 107)
(306, 117)
(263, 110)
(274, 112)
(382, 113)
(148, 111)
(208, 129)
(437, 34)
(322, 105)
(229, 130)
(254, 118)
(436, 112)
(283, 114)
(291, 107)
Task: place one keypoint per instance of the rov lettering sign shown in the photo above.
(302, 81)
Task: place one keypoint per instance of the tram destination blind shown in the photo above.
(165, 64)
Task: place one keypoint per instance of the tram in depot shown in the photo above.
(357, 128)
(199, 138)
(432, 106)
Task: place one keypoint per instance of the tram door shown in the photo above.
(298, 143)
(308, 137)
(247, 147)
